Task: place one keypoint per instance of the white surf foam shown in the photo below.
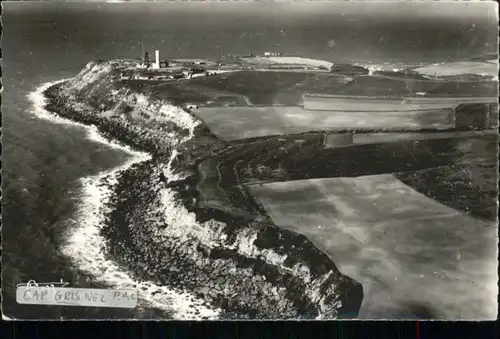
(38, 100)
(84, 242)
(84, 248)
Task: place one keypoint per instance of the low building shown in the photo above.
(338, 140)
(269, 54)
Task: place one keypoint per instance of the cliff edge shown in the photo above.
(158, 227)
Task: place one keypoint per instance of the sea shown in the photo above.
(45, 161)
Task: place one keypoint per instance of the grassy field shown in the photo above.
(458, 171)
(245, 88)
(241, 88)
(370, 138)
(458, 68)
(231, 123)
(432, 225)
(391, 86)
(470, 184)
(286, 60)
(458, 88)
(405, 248)
(405, 74)
(298, 157)
(326, 120)
(259, 87)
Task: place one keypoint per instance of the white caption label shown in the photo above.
(63, 296)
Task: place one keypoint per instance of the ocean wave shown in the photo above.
(39, 101)
(84, 247)
(84, 242)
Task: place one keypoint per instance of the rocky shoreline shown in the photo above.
(248, 268)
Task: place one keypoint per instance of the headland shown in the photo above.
(187, 218)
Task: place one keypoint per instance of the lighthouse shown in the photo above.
(156, 64)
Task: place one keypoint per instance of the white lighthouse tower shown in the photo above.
(156, 64)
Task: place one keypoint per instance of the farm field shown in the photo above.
(458, 68)
(230, 123)
(268, 160)
(263, 88)
(287, 61)
(358, 103)
(469, 184)
(404, 247)
(400, 87)
(369, 138)
(458, 170)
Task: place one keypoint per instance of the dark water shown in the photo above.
(44, 42)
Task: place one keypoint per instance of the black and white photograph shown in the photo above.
(250, 160)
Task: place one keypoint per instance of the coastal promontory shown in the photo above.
(162, 227)
(207, 215)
